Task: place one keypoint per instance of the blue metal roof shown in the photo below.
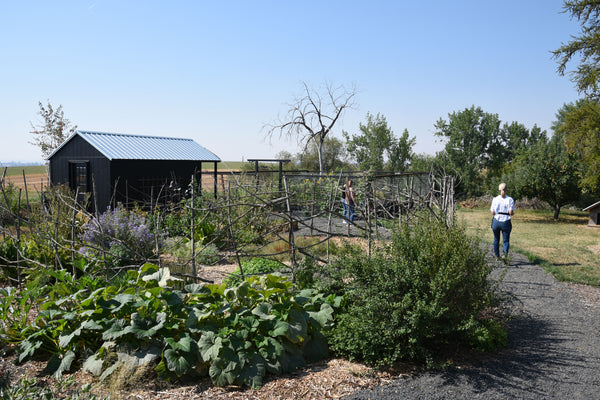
(118, 146)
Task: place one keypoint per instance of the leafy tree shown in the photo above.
(547, 171)
(516, 138)
(474, 146)
(579, 124)
(401, 152)
(585, 48)
(333, 156)
(311, 117)
(377, 140)
(53, 131)
(286, 155)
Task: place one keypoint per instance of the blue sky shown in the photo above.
(218, 71)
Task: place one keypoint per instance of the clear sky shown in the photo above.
(218, 71)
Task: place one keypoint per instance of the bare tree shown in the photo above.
(54, 129)
(312, 116)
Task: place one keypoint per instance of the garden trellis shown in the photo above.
(249, 217)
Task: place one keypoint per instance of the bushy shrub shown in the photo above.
(413, 298)
(8, 204)
(205, 254)
(119, 237)
(255, 266)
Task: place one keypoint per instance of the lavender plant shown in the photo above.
(119, 237)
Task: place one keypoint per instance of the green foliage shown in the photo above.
(333, 153)
(254, 266)
(30, 389)
(15, 308)
(376, 140)
(585, 48)
(413, 298)
(546, 171)
(473, 140)
(579, 125)
(236, 334)
(9, 204)
(479, 150)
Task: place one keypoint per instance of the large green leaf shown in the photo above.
(59, 364)
(93, 365)
(253, 371)
(210, 346)
(116, 330)
(29, 346)
(263, 311)
(315, 348)
(65, 340)
(225, 369)
(179, 362)
(291, 358)
(281, 328)
(322, 319)
(195, 288)
(298, 326)
(146, 327)
(162, 276)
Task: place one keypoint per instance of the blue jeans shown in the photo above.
(345, 204)
(504, 227)
(351, 211)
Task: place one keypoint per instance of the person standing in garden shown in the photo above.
(503, 208)
(344, 202)
(350, 200)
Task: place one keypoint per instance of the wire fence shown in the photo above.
(293, 218)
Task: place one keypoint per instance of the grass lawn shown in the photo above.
(567, 248)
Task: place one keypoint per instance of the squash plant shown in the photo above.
(234, 334)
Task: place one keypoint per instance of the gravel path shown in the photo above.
(553, 349)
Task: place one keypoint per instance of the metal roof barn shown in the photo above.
(109, 168)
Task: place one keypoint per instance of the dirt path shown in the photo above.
(553, 350)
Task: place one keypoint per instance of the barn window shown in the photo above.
(79, 175)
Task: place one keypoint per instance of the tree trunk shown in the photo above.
(556, 211)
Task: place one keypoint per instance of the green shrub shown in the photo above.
(414, 298)
(205, 254)
(255, 266)
(9, 204)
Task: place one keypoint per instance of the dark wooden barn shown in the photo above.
(594, 211)
(111, 168)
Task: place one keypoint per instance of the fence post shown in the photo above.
(237, 253)
(18, 228)
(291, 232)
(193, 228)
(73, 229)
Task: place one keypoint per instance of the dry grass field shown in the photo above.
(567, 248)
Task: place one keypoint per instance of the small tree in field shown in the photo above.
(54, 129)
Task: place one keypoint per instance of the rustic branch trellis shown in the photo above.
(252, 218)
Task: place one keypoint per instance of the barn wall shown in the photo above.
(77, 150)
(139, 180)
